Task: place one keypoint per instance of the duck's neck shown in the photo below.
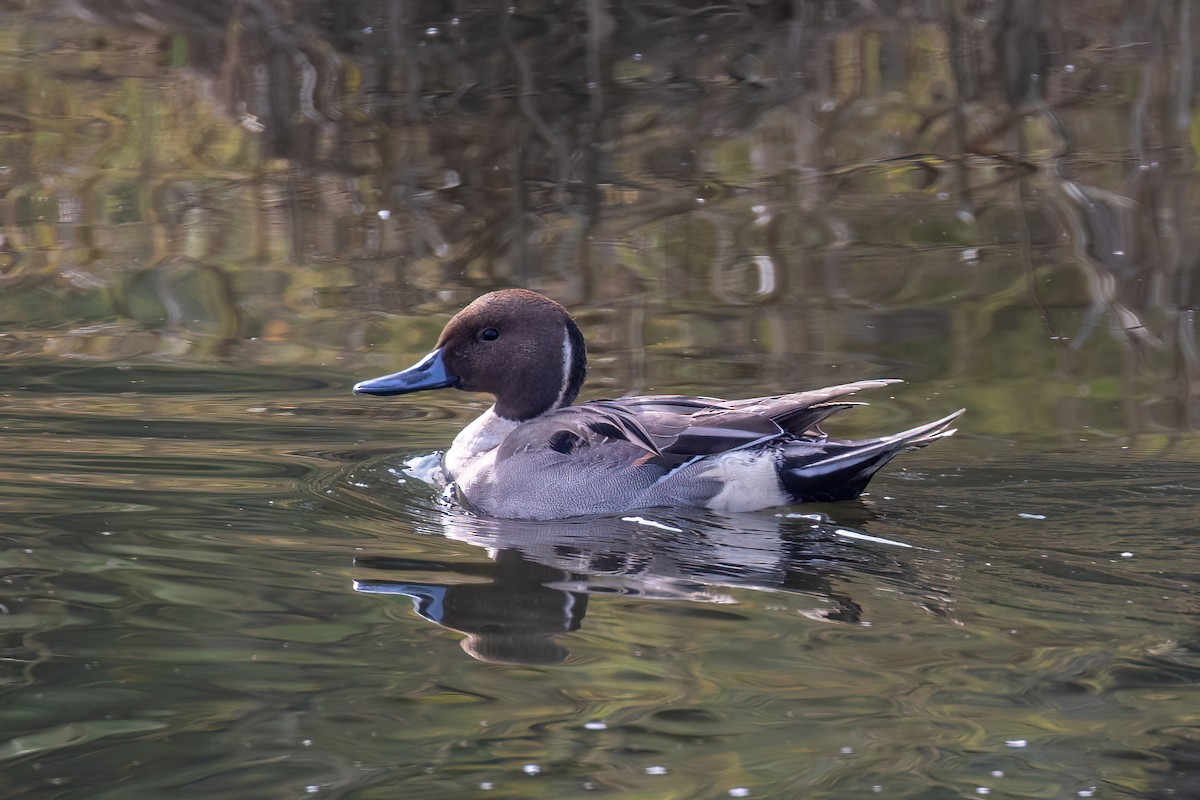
(553, 382)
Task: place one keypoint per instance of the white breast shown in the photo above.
(477, 440)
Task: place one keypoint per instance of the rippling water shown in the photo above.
(224, 576)
(226, 587)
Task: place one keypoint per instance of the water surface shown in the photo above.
(222, 575)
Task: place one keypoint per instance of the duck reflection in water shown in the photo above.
(512, 618)
(515, 607)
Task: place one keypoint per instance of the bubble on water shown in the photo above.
(1023, 515)
(596, 725)
(739, 791)
(656, 770)
(531, 769)
(1016, 742)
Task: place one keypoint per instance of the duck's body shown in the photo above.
(535, 456)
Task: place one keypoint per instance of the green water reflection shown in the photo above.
(222, 577)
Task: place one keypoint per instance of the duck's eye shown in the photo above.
(489, 334)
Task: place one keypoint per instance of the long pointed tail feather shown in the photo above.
(841, 469)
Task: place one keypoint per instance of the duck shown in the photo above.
(536, 455)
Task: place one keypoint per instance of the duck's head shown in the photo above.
(518, 345)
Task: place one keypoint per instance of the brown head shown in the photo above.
(518, 345)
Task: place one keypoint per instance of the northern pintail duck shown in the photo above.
(533, 455)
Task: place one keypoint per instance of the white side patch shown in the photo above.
(749, 481)
(568, 354)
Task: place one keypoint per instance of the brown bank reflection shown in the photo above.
(519, 606)
(1002, 194)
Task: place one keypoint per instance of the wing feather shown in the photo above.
(670, 430)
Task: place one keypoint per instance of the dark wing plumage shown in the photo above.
(670, 430)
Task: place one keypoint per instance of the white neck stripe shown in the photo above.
(567, 354)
